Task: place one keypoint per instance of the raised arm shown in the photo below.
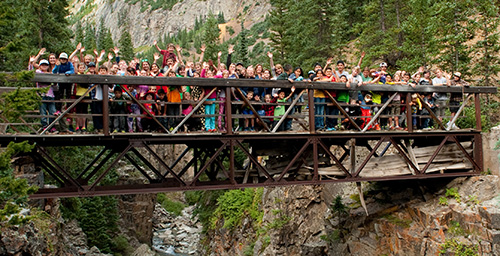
(78, 47)
(230, 51)
(179, 55)
(156, 57)
(361, 59)
(156, 45)
(273, 70)
(328, 62)
(219, 54)
(202, 49)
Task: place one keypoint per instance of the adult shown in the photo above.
(456, 97)
(440, 98)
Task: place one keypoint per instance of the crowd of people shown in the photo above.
(168, 104)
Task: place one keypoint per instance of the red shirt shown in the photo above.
(167, 55)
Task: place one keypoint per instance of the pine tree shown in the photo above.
(279, 19)
(126, 47)
(89, 40)
(211, 34)
(452, 34)
(419, 48)
(220, 18)
(487, 22)
(107, 43)
(79, 36)
(101, 34)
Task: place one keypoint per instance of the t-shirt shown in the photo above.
(280, 109)
(166, 55)
(440, 95)
(173, 94)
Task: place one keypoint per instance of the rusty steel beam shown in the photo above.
(441, 145)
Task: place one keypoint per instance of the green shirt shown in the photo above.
(280, 109)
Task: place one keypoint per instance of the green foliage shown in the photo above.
(338, 206)
(155, 4)
(453, 193)
(211, 34)
(443, 201)
(234, 205)
(121, 245)
(89, 40)
(455, 229)
(126, 47)
(171, 206)
(79, 34)
(459, 249)
(230, 30)
(331, 237)
(15, 192)
(98, 217)
(397, 221)
(28, 25)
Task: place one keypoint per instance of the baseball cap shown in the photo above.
(311, 72)
(46, 62)
(457, 74)
(63, 56)
(91, 64)
(383, 64)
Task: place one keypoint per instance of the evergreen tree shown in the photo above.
(79, 34)
(211, 33)
(28, 25)
(107, 43)
(452, 34)
(89, 41)
(487, 22)
(420, 28)
(220, 18)
(241, 48)
(101, 35)
(126, 47)
(279, 19)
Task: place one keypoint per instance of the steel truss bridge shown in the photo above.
(301, 157)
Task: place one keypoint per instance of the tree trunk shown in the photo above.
(382, 16)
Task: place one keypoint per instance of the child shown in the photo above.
(269, 109)
(118, 107)
(427, 122)
(366, 102)
(81, 107)
(280, 109)
(416, 106)
(148, 124)
(161, 101)
(97, 105)
(193, 122)
(134, 110)
(222, 99)
(173, 96)
(247, 111)
(354, 111)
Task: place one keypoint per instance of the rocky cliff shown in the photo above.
(146, 25)
(405, 218)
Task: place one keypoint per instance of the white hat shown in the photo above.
(458, 74)
(383, 64)
(63, 56)
(46, 62)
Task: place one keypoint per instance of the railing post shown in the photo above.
(105, 109)
(477, 103)
(229, 116)
(409, 119)
(310, 103)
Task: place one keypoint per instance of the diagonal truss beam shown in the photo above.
(124, 151)
(59, 169)
(208, 163)
(193, 111)
(169, 170)
(146, 162)
(335, 160)
(289, 109)
(335, 102)
(287, 168)
(254, 161)
(454, 138)
(255, 114)
(403, 154)
(374, 150)
(441, 145)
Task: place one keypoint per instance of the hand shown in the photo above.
(41, 52)
(270, 55)
(136, 60)
(156, 56)
(329, 61)
(58, 63)
(219, 54)
(110, 56)
(82, 49)
(96, 53)
(102, 53)
(178, 48)
(32, 59)
(203, 48)
(155, 42)
(363, 54)
(79, 46)
(293, 88)
(230, 50)
(421, 69)
(116, 50)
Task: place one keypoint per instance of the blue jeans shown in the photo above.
(331, 122)
(47, 108)
(319, 111)
(210, 110)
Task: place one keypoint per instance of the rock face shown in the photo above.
(300, 220)
(150, 25)
(176, 234)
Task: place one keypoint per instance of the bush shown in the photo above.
(233, 205)
(171, 206)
